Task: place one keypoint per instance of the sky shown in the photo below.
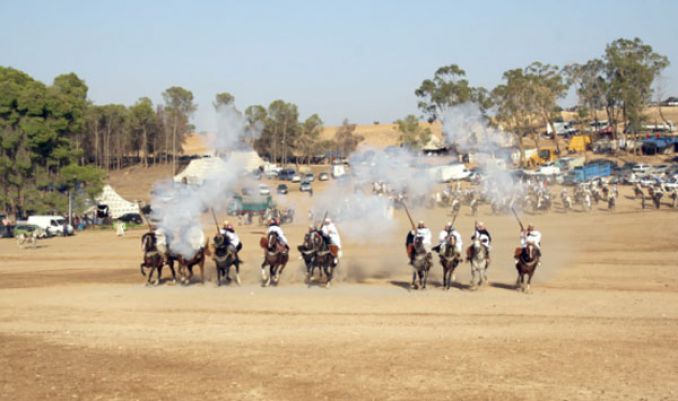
(360, 60)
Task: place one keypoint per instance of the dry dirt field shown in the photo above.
(601, 323)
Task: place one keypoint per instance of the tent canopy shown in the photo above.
(117, 205)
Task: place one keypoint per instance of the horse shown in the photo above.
(478, 257)
(421, 263)
(637, 191)
(611, 202)
(528, 260)
(27, 239)
(186, 266)
(153, 259)
(449, 260)
(307, 251)
(324, 256)
(225, 256)
(276, 257)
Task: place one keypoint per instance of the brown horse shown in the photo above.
(276, 256)
(324, 256)
(153, 259)
(449, 259)
(186, 266)
(528, 260)
(225, 255)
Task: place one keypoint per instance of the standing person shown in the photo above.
(331, 235)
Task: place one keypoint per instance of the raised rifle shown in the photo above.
(517, 219)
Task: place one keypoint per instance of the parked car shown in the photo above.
(323, 177)
(296, 178)
(286, 174)
(305, 187)
(659, 169)
(671, 184)
(641, 168)
(264, 189)
(131, 218)
(310, 177)
(282, 189)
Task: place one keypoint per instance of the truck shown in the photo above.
(588, 172)
(568, 163)
(450, 172)
(579, 143)
(52, 224)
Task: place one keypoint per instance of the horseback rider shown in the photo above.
(445, 234)
(422, 232)
(233, 239)
(483, 236)
(529, 236)
(331, 236)
(274, 227)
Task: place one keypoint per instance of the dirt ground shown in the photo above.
(77, 323)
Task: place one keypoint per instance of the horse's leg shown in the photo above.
(425, 278)
(141, 269)
(202, 270)
(414, 280)
(237, 273)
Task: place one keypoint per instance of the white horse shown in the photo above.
(479, 264)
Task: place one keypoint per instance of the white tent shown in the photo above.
(249, 160)
(198, 170)
(117, 205)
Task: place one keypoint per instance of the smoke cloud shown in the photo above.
(178, 207)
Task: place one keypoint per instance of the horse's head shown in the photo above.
(317, 241)
(530, 250)
(148, 242)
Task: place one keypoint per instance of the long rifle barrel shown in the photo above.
(408, 215)
(216, 222)
(517, 218)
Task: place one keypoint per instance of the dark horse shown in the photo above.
(528, 260)
(224, 257)
(154, 260)
(421, 263)
(276, 257)
(449, 259)
(317, 253)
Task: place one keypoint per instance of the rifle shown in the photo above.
(414, 227)
(143, 217)
(320, 225)
(517, 218)
(216, 222)
(454, 218)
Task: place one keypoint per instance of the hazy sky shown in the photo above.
(360, 60)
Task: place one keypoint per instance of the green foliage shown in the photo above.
(412, 134)
(223, 98)
(449, 87)
(346, 139)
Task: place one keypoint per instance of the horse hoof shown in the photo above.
(237, 280)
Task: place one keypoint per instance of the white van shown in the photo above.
(451, 172)
(338, 171)
(53, 225)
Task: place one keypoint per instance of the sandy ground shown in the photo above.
(76, 321)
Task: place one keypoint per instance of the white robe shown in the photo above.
(533, 237)
(331, 231)
(279, 231)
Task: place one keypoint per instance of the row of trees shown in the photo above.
(619, 84)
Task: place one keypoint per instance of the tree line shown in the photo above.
(619, 84)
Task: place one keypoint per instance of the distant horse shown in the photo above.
(611, 202)
(276, 257)
(27, 239)
(421, 263)
(225, 256)
(477, 256)
(449, 259)
(307, 251)
(528, 260)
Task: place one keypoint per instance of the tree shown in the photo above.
(221, 99)
(280, 128)
(346, 139)
(142, 124)
(309, 136)
(547, 86)
(515, 105)
(179, 107)
(631, 67)
(591, 88)
(449, 87)
(412, 134)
